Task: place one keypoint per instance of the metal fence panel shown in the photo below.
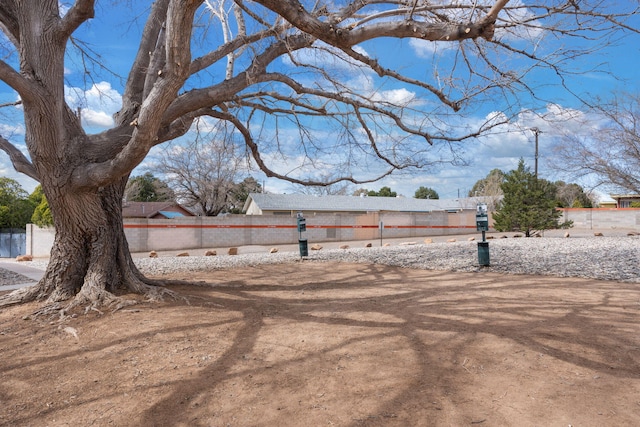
(12, 243)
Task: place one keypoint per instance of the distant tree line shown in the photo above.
(564, 195)
(18, 208)
(522, 201)
(421, 193)
(206, 200)
(518, 199)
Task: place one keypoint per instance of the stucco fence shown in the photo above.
(144, 235)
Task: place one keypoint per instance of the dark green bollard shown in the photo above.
(483, 254)
(304, 247)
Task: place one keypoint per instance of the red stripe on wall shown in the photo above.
(204, 226)
(245, 226)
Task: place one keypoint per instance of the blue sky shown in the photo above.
(114, 35)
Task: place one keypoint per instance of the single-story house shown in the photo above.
(155, 210)
(625, 200)
(309, 205)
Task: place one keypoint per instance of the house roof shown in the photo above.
(150, 209)
(170, 215)
(625, 196)
(304, 202)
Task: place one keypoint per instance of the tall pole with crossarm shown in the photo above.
(536, 132)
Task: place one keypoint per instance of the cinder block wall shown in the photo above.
(145, 235)
(603, 218)
(241, 230)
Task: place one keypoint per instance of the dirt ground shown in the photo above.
(313, 344)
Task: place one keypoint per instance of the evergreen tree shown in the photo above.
(426, 193)
(529, 203)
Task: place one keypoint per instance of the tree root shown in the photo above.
(157, 294)
(89, 299)
(20, 296)
(166, 282)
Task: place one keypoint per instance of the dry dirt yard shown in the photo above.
(315, 344)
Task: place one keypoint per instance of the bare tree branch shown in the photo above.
(152, 115)
(175, 72)
(344, 36)
(608, 153)
(19, 161)
(137, 81)
(81, 11)
(9, 21)
(256, 154)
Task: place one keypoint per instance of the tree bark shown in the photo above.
(90, 263)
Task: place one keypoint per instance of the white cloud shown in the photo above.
(96, 118)
(97, 104)
(395, 96)
(206, 125)
(63, 8)
(367, 88)
(9, 130)
(27, 184)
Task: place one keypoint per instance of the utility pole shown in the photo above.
(536, 132)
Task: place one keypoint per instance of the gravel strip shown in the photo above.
(8, 278)
(604, 258)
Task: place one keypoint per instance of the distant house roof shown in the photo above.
(166, 210)
(169, 214)
(257, 203)
(625, 200)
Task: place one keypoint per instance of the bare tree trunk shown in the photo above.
(90, 263)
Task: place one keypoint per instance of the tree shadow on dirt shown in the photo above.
(371, 344)
(586, 325)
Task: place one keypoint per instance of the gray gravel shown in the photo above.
(605, 258)
(8, 278)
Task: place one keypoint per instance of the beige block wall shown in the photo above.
(240, 230)
(604, 218)
(144, 235)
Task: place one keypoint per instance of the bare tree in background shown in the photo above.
(341, 188)
(609, 153)
(490, 188)
(573, 196)
(285, 62)
(203, 173)
(147, 188)
(241, 192)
